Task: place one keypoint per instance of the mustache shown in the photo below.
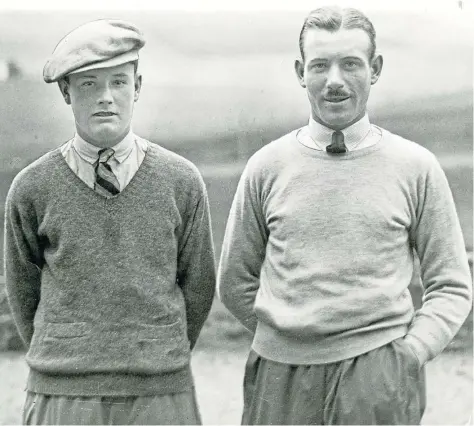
(336, 93)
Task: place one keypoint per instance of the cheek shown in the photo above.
(315, 86)
(80, 109)
(360, 80)
(363, 88)
(126, 100)
(81, 101)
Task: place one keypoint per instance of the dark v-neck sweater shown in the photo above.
(109, 294)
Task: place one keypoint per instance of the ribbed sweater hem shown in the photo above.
(290, 349)
(110, 384)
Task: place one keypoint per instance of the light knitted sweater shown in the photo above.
(109, 294)
(318, 251)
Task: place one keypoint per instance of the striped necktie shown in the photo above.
(106, 183)
(337, 146)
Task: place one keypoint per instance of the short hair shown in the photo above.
(333, 18)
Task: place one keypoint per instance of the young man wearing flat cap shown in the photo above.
(318, 251)
(109, 257)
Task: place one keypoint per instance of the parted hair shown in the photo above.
(333, 18)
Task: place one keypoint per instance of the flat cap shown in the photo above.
(97, 44)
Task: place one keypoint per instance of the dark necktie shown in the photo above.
(106, 183)
(337, 146)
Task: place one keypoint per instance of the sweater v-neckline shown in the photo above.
(85, 189)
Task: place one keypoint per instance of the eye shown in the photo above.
(87, 84)
(319, 66)
(350, 64)
(119, 82)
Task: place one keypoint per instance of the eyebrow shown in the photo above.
(315, 60)
(345, 58)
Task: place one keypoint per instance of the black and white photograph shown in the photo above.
(236, 212)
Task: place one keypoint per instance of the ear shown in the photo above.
(138, 86)
(64, 88)
(376, 68)
(299, 69)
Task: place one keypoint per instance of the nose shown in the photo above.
(105, 95)
(334, 78)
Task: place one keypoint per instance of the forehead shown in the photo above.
(326, 44)
(122, 69)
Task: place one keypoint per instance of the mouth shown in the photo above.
(104, 114)
(336, 99)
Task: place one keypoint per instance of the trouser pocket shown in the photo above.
(413, 364)
(383, 386)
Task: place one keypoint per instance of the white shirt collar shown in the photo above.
(90, 152)
(353, 134)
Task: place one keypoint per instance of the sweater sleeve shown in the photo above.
(23, 260)
(243, 251)
(196, 266)
(438, 240)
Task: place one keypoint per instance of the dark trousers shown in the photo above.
(174, 409)
(383, 386)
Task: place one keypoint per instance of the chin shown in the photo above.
(108, 137)
(339, 122)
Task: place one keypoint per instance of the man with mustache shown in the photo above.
(319, 251)
(109, 257)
